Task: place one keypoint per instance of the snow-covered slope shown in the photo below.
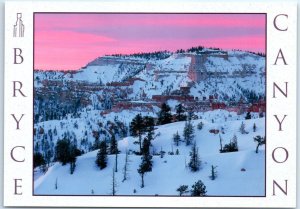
(171, 171)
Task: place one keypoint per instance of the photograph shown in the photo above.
(149, 104)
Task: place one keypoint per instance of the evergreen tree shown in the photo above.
(62, 151)
(198, 189)
(188, 132)
(242, 128)
(74, 152)
(164, 115)
(148, 123)
(113, 145)
(221, 146)
(182, 189)
(234, 141)
(38, 159)
(96, 144)
(137, 129)
(254, 127)
(195, 162)
(56, 184)
(146, 146)
(136, 126)
(180, 113)
(200, 125)
(146, 163)
(248, 116)
(213, 173)
(101, 160)
(176, 138)
(232, 146)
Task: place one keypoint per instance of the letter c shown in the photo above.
(12, 154)
(275, 25)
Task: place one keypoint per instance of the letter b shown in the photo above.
(18, 58)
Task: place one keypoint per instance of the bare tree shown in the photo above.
(260, 141)
(126, 166)
(56, 184)
(114, 183)
(116, 163)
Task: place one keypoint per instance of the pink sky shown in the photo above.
(70, 41)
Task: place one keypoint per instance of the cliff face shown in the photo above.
(227, 76)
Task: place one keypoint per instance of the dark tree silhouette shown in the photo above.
(101, 160)
(164, 115)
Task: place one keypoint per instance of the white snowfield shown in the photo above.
(239, 173)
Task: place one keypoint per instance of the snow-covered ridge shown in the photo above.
(205, 73)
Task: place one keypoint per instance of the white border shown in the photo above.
(274, 106)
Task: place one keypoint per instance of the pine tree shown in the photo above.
(182, 189)
(96, 144)
(235, 142)
(232, 146)
(260, 141)
(136, 126)
(195, 162)
(62, 151)
(221, 146)
(137, 129)
(200, 125)
(148, 124)
(56, 184)
(248, 116)
(176, 138)
(242, 128)
(146, 163)
(164, 115)
(188, 133)
(213, 173)
(38, 159)
(101, 160)
(180, 116)
(198, 189)
(146, 146)
(113, 145)
(254, 127)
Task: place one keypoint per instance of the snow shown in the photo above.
(169, 172)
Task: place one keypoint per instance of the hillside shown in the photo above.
(170, 171)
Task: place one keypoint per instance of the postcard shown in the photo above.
(136, 104)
